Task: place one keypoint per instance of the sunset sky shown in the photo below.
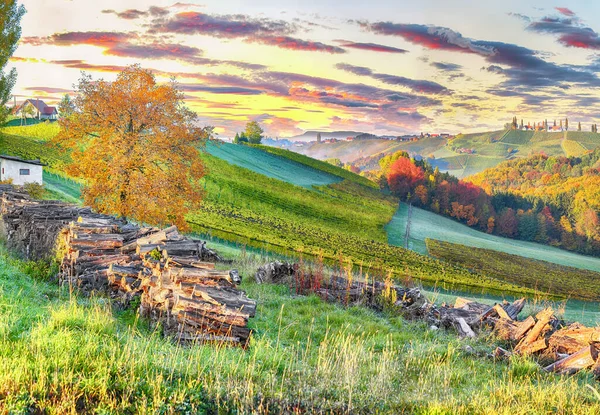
(382, 66)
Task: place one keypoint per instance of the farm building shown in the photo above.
(20, 171)
(40, 110)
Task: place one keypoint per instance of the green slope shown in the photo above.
(270, 165)
(427, 225)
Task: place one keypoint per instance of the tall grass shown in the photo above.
(62, 354)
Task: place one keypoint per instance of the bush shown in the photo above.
(35, 190)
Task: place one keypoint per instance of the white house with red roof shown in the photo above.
(41, 110)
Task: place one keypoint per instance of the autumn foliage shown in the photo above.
(136, 146)
(404, 176)
(551, 200)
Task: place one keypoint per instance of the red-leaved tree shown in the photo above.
(404, 176)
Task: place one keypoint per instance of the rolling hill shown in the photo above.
(463, 155)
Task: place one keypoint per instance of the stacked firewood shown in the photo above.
(190, 298)
(177, 287)
(31, 226)
(173, 276)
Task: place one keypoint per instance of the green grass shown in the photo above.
(318, 165)
(64, 354)
(517, 137)
(428, 225)
(271, 165)
(541, 275)
(573, 148)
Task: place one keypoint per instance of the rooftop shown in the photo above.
(13, 158)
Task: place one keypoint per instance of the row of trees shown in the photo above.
(551, 200)
(253, 134)
(514, 124)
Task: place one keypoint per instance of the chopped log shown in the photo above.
(463, 328)
(534, 347)
(158, 237)
(515, 308)
(461, 302)
(523, 327)
(572, 338)
(502, 312)
(188, 261)
(543, 318)
(124, 271)
(583, 359)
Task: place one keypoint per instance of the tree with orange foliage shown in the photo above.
(404, 176)
(136, 147)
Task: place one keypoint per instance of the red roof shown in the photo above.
(41, 106)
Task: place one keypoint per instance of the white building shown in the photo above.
(21, 171)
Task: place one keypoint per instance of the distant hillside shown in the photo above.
(350, 151)
(312, 135)
(461, 156)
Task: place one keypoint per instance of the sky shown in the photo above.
(382, 66)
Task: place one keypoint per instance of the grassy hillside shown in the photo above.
(318, 165)
(489, 149)
(542, 275)
(342, 222)
(270, 165)
(427, 225)
(348, 151)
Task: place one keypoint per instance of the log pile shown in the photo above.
(177, 287)
(339, 289)
(561, 349)
(173, 276)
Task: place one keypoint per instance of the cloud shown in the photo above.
(253, 30)
(287, 42)
(420, 86)
(104, 39)
(219, 89)
(155, 51)
(130, 14)
(431, 37)
(133, 14)
(49, 90)
(356, 70)
(494, 69)
(520, 16)
(445, 66)
(375, 47)
(126, 45)
(565, 11)
(525, 67)
(222, 26)
(569, 30)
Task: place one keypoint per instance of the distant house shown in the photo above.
(41, 110)
(20, 171)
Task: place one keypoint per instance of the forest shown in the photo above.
(550, 200)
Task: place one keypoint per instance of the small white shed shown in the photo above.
(21, 171)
